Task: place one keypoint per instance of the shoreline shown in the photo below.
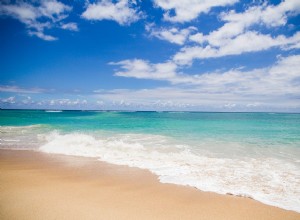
(36, 185)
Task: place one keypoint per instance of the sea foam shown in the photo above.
(270, 180)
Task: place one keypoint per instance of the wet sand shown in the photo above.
(41, 186)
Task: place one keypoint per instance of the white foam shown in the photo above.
(270, 180)
(21, 137)
(10, 140)
(3, 128)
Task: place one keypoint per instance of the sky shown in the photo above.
(176, 55)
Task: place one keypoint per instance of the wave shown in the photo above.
(270, 180)
(22, 137)
(3, 127)
(176, 112)
(10, 140)
(53, 111)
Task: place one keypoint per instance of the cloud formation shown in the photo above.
(237, 23)
(66, 102)
(233, 90)
(17, 89)
(37, 15)
(192, 99)
(187, 10)
(121, 11)
(279, 79)
(240, 33)
(142, 69)
(250, 41)
(9, 100)
(172, 35)
(72, 26)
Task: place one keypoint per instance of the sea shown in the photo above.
(255, 155)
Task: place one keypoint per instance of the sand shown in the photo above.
(41, 186)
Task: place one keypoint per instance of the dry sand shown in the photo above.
(40, 186)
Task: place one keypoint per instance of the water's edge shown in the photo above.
(157, 177)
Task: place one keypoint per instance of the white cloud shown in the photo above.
(177, 98)
(238, 23)
(275, 88)
(173, 35)
(247, 42)
(22, 11)
(66, 102)
(9, 100)
(283, 78)
(157, 98)
(37, 16)
(53, 9)
(28, 100)
(16, 89)
(122, 11)
(187, 10)
(142, 69)
(70, 26)
(269, 15)
(41, 35)
(236, 35)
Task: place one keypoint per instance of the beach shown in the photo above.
(42, 186)
(125, 109)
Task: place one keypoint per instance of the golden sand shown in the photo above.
(40, 186)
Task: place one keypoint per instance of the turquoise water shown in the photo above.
(269, 127)
(249, 154)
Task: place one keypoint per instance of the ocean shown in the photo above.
(255, 155)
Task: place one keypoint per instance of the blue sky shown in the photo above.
(199, 55)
